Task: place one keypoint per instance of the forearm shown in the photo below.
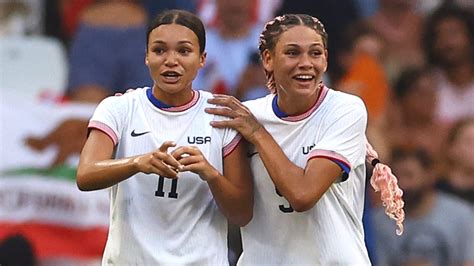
(106, 173)
(289, 179)
(234, 202)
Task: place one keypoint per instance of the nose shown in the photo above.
(305, 61)
(171, 59)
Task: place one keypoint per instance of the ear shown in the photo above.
(202, 59)
(146, 57)
(267, 60)
(326, 55)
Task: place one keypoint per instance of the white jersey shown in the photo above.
(330, 233)
(155, 220)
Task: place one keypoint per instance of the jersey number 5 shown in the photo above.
(174, 187)
(282, 207)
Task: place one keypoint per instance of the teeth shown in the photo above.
(307, 77)
(170, 74)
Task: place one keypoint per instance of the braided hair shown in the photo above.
(382, 178)
(274, 28)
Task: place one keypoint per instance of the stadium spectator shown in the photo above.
(398, 23)
(107, 51)
(231, 67)
(458, 174)
(414, 119)
(448, 41)
(438, 227)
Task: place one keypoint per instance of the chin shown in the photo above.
(171, 88)
(309, 89)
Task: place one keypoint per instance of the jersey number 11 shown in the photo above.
(160, 191)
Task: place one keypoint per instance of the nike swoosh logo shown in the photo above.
(251, 154)
(138, 134)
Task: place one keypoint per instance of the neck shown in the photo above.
(462, 178)
(292, 104)
(423, 206)
(173, 99)
(460, 75)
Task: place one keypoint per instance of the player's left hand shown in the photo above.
(241, 119)
(192, 159)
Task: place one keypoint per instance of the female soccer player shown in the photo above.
(167, 207)
(309, 149)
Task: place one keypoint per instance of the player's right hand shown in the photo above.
(159, 162)
(241, 119)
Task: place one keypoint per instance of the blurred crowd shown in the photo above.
(411, 61)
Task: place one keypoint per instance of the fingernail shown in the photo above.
(180, 168)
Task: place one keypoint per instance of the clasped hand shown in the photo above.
(182, 159)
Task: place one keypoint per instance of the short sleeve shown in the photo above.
(343, 140)
(230, 139)
(109, 117)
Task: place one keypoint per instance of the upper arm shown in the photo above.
(237, 170)
(99, 146)
(105, 128)
(340, 148)
(324, 172)
(343, 141)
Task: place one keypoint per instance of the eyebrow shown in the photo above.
(296, 45)
(180, 42)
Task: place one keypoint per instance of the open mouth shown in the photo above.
(171, 76)
(303, 77)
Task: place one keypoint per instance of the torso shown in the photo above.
(331, 232)
(155, 220)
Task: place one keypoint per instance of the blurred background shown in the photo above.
(411, 61)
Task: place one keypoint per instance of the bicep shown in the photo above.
(323, 172)
(236, 167)
(99, 146)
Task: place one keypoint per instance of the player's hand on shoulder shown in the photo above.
(127, 91)
(159, 162)
(241, 119)
(193, 160)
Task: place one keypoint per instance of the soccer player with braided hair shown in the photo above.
(307, 155)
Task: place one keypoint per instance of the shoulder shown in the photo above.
(204, 95)
(339, 98)
(454, 204)
(122, 101)
(340, 103)
(259, 103)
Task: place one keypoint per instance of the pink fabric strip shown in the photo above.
(331, 155)
(231, 146)
(322, 95)
(104, 128)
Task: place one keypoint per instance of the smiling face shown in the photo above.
(298, 61)
(173, 59)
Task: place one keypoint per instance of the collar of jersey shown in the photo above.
(283, 116)
(163, 106)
